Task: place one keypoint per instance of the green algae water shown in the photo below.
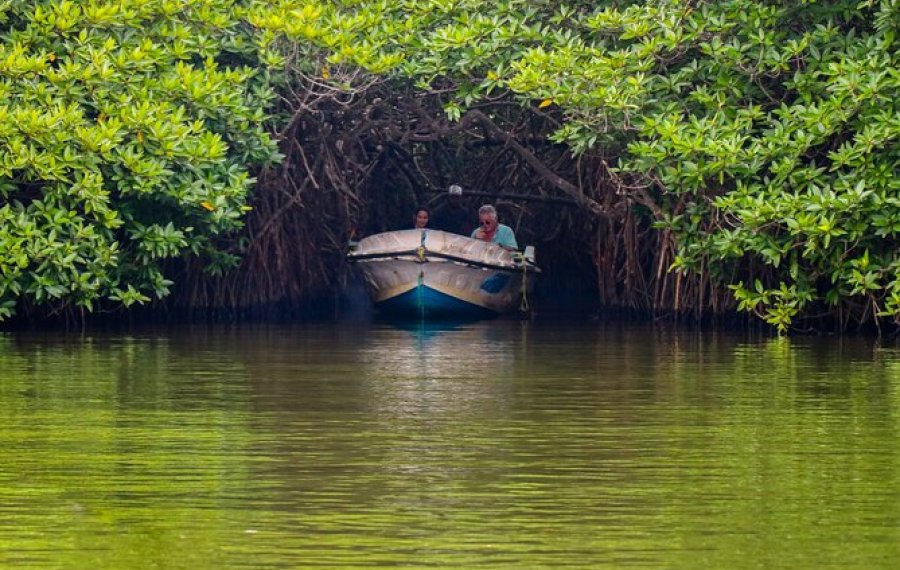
(485, 445)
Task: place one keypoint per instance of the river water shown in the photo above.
(484, 445)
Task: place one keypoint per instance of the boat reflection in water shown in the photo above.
(436, 274)
(423, 371)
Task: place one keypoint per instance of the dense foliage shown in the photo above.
(760, 137)
(126, 131)
(747, 146)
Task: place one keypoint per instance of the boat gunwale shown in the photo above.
(399, 255)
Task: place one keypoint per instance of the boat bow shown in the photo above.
(435, 273)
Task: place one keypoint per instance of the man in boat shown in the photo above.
(451, 215)
(490, 229)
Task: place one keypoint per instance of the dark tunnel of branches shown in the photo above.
(360, 163)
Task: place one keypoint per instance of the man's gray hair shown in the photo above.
(489, 210)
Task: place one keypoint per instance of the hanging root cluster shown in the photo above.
(360, 162)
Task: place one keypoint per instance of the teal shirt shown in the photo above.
(503, 236)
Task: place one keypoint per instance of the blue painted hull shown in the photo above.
(423, 302)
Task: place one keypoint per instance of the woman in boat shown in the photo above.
(420, 221)
(490, 229)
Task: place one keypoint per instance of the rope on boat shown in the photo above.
(523, 305)
(420, 251)
(420, 286)
(420, 294)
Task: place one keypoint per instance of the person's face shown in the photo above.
(488, 222)
(421, 219)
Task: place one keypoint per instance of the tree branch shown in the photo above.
(492, 130)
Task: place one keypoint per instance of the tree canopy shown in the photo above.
(127, 130)
(755, 141)
(759, 136)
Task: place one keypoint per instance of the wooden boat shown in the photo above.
(436, 274)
